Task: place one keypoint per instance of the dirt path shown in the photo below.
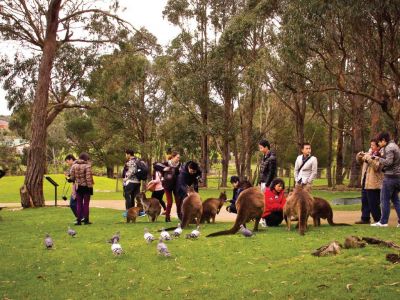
(339, 216)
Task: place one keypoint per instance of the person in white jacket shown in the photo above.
(305, 168)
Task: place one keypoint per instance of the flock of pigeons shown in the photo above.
(162, 248)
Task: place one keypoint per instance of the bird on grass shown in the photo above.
(116, 249)
(246, 232)
(148, 236)
(194, 234)
(48, 242)
(115, 238)
(162, 249)
(165, 235)
(178, 230)
(71, 232)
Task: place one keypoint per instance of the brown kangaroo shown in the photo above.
(211, 208)
(298, 204)
(192, 208)
(151, 206)
(249, 205)
(321, 209)
(132, 214)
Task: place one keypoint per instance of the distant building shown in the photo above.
(17, 143)
(3, 124)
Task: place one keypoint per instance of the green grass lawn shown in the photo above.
(105, 189)
(274, 264)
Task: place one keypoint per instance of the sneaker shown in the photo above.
(362, 222)
(125, 214)
(164, 213)
(379, 224)
(398, 226)
(263, 223)
(167, 219)
(142, 214)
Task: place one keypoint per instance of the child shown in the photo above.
(274, 203)
(238, 187)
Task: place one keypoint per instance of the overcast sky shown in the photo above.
(146, 13)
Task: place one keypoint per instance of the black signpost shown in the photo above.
(55, 184)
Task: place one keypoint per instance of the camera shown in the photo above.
(64, 198)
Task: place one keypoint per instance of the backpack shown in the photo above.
(142, 170)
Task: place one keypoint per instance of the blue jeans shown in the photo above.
(72, 205)
(390, 191)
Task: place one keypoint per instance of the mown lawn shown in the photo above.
(274, 264)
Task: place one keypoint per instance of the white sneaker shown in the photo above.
(263, 223)
(398, 226)
(379, 224)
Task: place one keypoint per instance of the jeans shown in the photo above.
(130, 192)
(72, 205)
(390, 191)
(370, 205)
(82, 208)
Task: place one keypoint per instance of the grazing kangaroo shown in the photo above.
(151, 206)
(132, 214)
(298, 204)
(321, 209)
(249, 205)
(211, 208)
(192, 208)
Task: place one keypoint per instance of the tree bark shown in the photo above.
(357, 139)
(340, 147)
(330, 142)
(37, 152)
(110, 171)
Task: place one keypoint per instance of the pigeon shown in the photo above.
(48, 242)
(165, 235)
(71, 232)
(115, 238)
(148, 236)
(162, 248)
(116, 249)
(178, 230)
(194, 234)
(246, 232)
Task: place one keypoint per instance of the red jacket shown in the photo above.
(273, 201)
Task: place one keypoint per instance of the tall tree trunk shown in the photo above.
(330, 142)
(33, 183)
(110, 171)
(340, 147)
(357, 139)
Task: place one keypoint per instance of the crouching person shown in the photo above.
(238, 187)
(274, 197)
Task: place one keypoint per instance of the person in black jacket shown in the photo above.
(267, 165)
(189, 175)
(169, 171)
(238, 187)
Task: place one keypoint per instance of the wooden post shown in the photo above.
(116, 186)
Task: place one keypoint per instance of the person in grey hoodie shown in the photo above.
(305, 167)
(390, 162)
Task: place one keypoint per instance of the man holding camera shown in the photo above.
(390, 161)
(305, 167)
(70, 160)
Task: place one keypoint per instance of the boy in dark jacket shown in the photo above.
(267, 165)
(189, 175)
(238, 187)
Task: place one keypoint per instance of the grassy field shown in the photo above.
(274, 264)
(105, 189)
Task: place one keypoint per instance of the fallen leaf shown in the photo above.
(394, 283)
(256, 291)
(322, 286)
(348, 287)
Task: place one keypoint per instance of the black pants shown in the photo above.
(159, 195)
(275, 218)
(370, 205)
(130, 192)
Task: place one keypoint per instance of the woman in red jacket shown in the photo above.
(274, 198)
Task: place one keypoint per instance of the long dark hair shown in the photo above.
(275, 182)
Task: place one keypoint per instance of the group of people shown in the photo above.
(380, 182)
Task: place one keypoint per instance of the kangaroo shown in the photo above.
(249, 205)
(151, 206)
(132, 214)
(211, 208)
(321, 209)
(192, 208)
(298, 204)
